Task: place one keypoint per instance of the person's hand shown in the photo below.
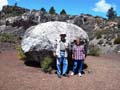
(54, 54)
(66, 47)
(73, 57)
(84, 56)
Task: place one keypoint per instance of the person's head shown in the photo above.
(62, 36)
(78, 41)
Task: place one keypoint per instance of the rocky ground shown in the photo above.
(102, 74)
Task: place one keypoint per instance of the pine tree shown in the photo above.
(111, 14)
(52, 10)
(43, 10)
(63, 12)
(15, 5)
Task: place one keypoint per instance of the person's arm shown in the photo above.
(55, 49)
(85, 49)
(66, 45)
(54, 53)
(58, 48)
(73, 52)
(84, 53)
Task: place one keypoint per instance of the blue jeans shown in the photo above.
(61, 60)
(79, 64)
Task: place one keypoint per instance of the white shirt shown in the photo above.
(58, 48)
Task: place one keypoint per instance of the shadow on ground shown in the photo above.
(32, 64)
(37, 65)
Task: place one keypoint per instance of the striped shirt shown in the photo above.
(78, 52)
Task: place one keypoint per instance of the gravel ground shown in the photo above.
(103, 73)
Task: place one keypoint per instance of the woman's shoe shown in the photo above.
(79, 74)
(72, 74)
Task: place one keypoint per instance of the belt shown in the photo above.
(62, 50)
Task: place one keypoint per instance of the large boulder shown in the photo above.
(39, 40)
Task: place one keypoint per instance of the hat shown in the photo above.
(62, 34)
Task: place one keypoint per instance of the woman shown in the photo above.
(78, 55)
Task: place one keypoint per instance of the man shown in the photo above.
(61, 55)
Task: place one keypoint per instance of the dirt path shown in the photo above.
(15, 75)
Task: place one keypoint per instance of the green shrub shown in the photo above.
(98, 35)
(46, 64)
(21, 54)
(11, 11)
(117, 40)
(6, 37)
(94, 50)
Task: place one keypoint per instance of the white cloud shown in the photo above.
(102, 6)
(2, 3)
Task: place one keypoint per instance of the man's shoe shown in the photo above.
(65, 75)
(59, 76)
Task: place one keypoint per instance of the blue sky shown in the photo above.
(74, 7)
